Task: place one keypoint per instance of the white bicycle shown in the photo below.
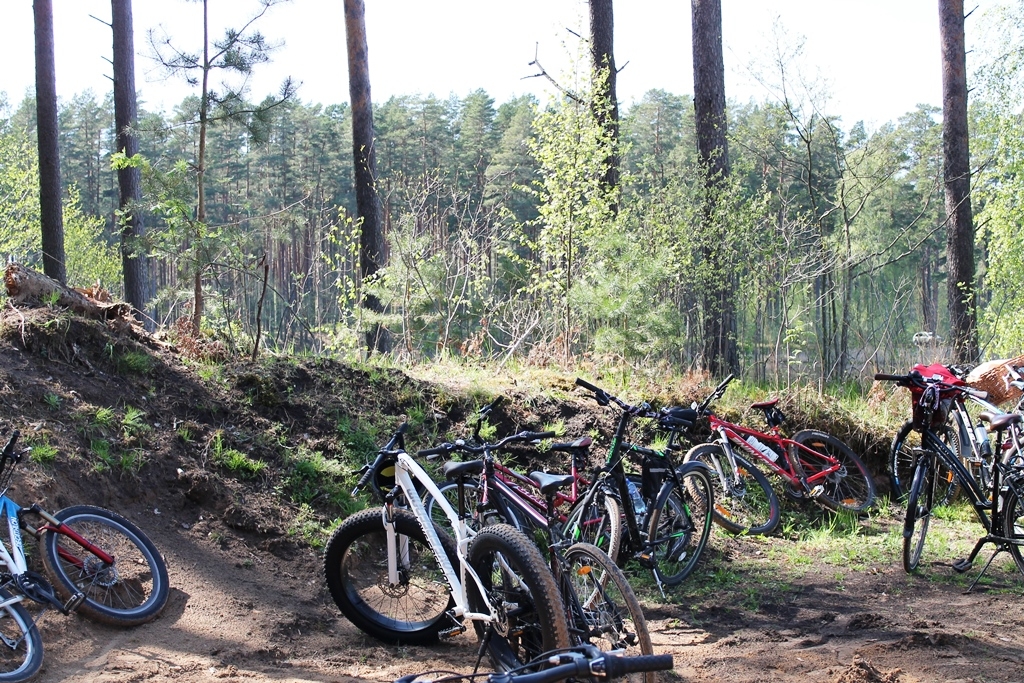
(400, 578)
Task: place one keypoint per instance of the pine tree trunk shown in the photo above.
(720, 354)
(963, 320)
(51, 211)
(129, 179)
(372, 247)
(602, 54)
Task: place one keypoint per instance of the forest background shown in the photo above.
(503, 244)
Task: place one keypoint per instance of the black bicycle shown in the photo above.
(578, 663)
(667, 516)
(999, 507)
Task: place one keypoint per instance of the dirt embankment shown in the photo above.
(248, 602)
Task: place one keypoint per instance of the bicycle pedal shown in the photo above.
(74, 602)
(960, 566)
(645, 560)
(816, 492)
(452, 632)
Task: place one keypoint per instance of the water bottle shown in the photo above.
(639, 506)
(757, 445)
(981, 436)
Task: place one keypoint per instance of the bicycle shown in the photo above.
(99, 565)
(599, 602)
(667, 519)
(527, 490)
(999, 506)
(814, 465)
(403, 580)
(579, 663)
(968, 440)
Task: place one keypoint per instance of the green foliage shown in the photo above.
(312, 477)
(89, 258)
(234, 460)
(43, 452)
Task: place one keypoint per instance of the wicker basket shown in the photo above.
(994, 378)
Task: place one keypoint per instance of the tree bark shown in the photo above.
(960, 289)
(720, 353)
(372, 246)
(129, 179)
(606, 106)
(51, 211)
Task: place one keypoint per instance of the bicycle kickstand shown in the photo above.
(966, 563)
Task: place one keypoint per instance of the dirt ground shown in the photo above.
(248, 602)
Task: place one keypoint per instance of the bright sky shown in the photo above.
(877, 58)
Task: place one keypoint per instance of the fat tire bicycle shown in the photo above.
(99, 565)
(402, 579)
(601, 608)
(814, 466)
(999, 506)
(666, 520)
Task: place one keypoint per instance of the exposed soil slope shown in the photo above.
(248, 602)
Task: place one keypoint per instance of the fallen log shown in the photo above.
(27, 286)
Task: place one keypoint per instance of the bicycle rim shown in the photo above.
(920, 502)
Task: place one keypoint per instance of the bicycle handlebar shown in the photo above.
(642, 409)
(589, 665)
(469, 448)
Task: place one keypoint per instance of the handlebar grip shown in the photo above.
(882, 376)
(436, 450)
(536, 436)
(617, 666)
(9, 448)
(587, 385)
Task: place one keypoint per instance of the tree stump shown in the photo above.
(27, 286)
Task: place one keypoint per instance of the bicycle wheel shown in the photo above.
(413, 611)
(529, 617)
(450, 491)
(901, 461)
(1013, 520)
(21, 646)
(920, 502)
(596, 518)
(848, 488)
(744, 501)
(610, 616)
(680, 524)
(132, 590)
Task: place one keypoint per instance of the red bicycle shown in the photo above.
(602, 530)
(814, 466)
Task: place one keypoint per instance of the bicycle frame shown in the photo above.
(406, 471)
(733, 434)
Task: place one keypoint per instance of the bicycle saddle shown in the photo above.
(549, 483)
(999, 422)
(765, 404)
(454, 470)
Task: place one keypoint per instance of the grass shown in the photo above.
(234, 460)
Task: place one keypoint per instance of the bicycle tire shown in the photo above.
(750, 507)
(680, 524)
(902, 460)
(515, 575)
(850, 488)
(22, 661)
(611, 616)
(920, 502)
(1013, 520)
(356, 570)
(479, 518)
(596, 518)
(131, 591)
